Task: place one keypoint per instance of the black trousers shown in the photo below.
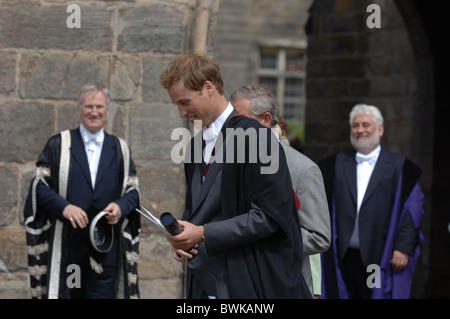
(355, 275)
(98, 286)
(203, 285)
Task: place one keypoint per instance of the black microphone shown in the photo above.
(170, 223)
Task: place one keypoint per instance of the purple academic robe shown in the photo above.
(393, 285)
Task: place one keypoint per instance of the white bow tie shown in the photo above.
(365, 158)
(97, 137)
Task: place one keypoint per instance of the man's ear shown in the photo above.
(267, 119)
(208, 88)
(381, 130)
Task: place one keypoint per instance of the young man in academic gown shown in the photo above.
(241, 217)
(376, 206)
(80, 173)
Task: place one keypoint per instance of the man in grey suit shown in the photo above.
(258, 102)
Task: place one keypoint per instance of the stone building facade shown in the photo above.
(126, 44)
(44, 63)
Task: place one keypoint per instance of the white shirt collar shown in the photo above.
(211, 132)
(87, 136)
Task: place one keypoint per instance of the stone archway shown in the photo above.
(426, 23)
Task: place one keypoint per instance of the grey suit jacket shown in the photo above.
(206, 275)
(314, 215)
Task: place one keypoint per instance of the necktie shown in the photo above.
(210, 136)
(94, 141)
(94, 145)
(91, 148)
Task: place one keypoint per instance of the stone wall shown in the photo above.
(348, 62)
(44, 63)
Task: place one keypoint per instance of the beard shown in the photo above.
(367, 145)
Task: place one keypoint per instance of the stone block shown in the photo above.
(163, 189)
(318, 46)
(380, 64)
(26, 131)
(344, 45)
(115, 122)
(351, 5)
(345, 67)
(13, 250)
(388, 86)
(317, 109)
(345, 22)
(156, 259)
(160, 276)
(7, 72)
(327, 89)
(30, 25)
(67, 116)
(331, 132)
(155, 27)
(358, 88)
(60, 75)
(151, 127)
(8, 195)
(168, 288)
(125, 77)
(14, 286)
(152, 67)
(324, 6)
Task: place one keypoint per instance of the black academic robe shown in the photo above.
(269, 267)
(48, 234)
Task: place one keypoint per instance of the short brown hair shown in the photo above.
(194, 70)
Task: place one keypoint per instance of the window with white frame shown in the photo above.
(283, 70)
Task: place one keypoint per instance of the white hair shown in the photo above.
(365, 109)
(93, 88)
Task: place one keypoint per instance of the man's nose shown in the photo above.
(94, 111)
(182, 111)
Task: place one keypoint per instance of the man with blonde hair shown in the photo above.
(243, 223)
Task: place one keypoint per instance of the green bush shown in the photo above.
(297, 128)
